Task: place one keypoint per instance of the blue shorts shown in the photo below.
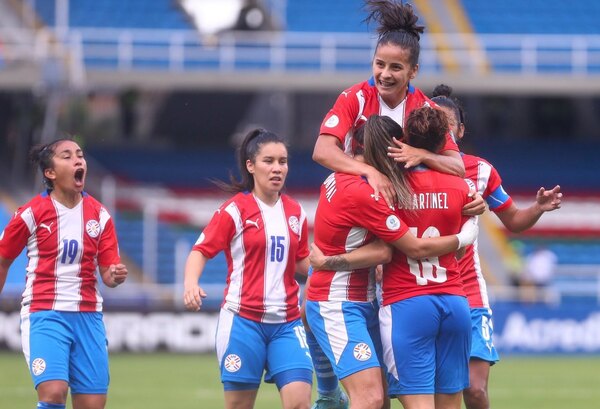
(348, 333)
(428, 349)
(67, 346)
(246, 349)
(482, 341)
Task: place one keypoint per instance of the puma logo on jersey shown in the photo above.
(252, 222)
(46, 226)
(345, 93)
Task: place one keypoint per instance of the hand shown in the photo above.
(192, 296)
(381, 185)
(468, 232)
(378, 273)
(474, 207)
(406, 153)
(549, 200)
(118, 274)
(316, 257)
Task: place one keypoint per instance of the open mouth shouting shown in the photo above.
(79, 177)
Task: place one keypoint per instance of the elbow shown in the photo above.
(319, 156)
(386, 255)
(416, 253)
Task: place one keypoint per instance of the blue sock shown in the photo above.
(45, 405)
(327, 381)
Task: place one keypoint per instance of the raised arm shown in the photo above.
(193, 293)
(328, 153)
(448, 161)
(517, 220)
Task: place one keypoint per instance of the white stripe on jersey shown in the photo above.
(483, 176)
(479, 272)
(276, 226)
(32, 254)
(68, 280)
(233, 297)
(338, 289)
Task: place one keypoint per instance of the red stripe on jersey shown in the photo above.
(87, 290)
(47, 240)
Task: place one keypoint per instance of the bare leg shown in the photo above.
(296, 395)
(53, 392)
(476, 395)
(88, 401)
(365, 389)
(240, 399)
(448, 400)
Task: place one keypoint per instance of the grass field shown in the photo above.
(158, 381)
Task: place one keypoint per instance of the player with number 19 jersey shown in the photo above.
(260, 283)
(64, 247)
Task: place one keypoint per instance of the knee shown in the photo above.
(476, 397)
(52, 392)
(371, 399)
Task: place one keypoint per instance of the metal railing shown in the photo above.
(176, 51)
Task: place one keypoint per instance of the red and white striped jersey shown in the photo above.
(65, 247)
(437, 211)
(262, 245)
(359, 102)
(489, 185)
(348, 217)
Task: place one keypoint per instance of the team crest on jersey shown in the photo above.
(362, 352)
(392, 222)
(332, 122)
(200, 238)
(294, 224)
(38, 366)
(232, 363)
(92, 227)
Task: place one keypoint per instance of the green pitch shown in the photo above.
(158, 381)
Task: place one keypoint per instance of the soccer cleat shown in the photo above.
(339, 400)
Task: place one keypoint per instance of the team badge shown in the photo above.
(332, 122)
(392, 222)
(200, 238)
(362, 352)
(38, 366)
(294, 224)
(232, 363)
(92, 227)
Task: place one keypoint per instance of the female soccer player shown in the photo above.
(489, 185)
(264, 236)
(68, 235)
(388, 92)
(341, 307)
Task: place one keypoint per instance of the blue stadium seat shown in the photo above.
(117, 14)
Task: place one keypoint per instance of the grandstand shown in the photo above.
(91, 67)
